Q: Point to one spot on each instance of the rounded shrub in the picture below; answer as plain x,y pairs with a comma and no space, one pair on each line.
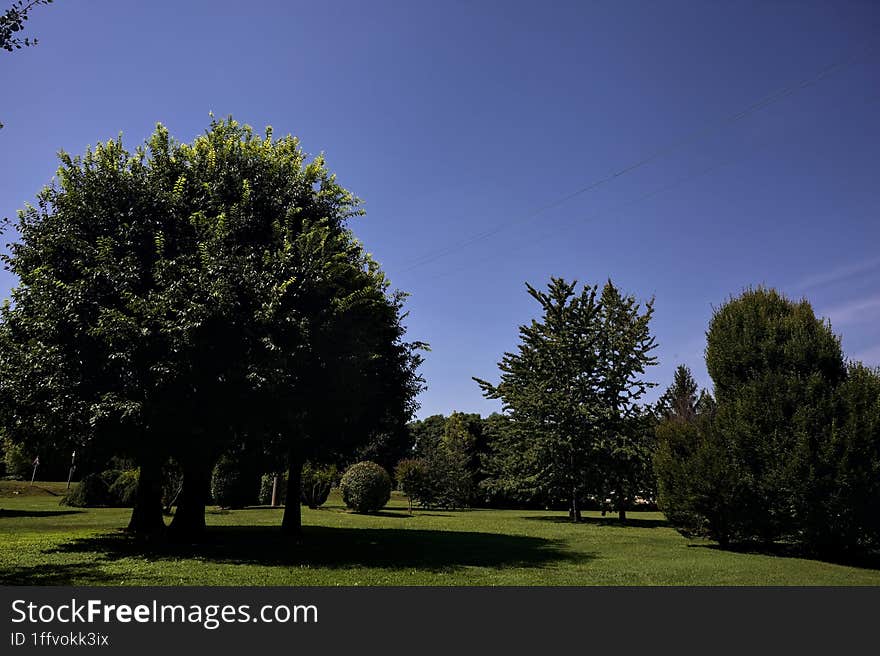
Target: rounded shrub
366,487
230,487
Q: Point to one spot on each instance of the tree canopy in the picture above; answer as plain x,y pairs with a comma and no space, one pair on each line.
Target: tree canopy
571,392
789,449
183,296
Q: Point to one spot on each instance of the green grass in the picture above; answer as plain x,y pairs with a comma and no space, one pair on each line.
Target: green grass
43,543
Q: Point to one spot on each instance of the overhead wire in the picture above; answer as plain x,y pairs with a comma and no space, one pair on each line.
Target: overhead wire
686,140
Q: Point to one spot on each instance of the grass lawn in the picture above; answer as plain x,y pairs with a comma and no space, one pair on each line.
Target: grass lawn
43,543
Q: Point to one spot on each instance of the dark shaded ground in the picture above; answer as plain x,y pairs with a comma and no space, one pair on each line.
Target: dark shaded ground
56,574
610,520
335,548
37,513
781,550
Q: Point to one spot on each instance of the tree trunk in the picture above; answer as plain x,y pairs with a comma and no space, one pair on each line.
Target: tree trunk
621,514
146,516
575,511
291,524
189,518
274,490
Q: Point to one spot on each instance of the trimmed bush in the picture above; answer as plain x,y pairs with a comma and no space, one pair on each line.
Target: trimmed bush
366,487
230,487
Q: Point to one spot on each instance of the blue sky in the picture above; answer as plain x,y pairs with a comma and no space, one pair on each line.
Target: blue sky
462,124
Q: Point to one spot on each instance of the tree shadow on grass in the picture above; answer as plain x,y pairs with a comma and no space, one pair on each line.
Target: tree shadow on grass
37,513
55,574
338,548
779,550
630,522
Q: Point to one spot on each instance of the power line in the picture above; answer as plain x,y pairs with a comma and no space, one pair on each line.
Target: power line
616,210
688,139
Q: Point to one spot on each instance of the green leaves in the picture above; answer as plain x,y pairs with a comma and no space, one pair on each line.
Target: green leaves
12,22
188,294
571,391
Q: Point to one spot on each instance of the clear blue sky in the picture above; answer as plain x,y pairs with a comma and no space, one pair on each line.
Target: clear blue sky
456,119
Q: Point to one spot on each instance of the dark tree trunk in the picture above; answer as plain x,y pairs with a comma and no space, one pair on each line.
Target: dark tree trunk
146,516
575,512
189,518
291,524
621,514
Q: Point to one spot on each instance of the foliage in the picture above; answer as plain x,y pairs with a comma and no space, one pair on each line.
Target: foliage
231,487
697,489
680,400
12,22
266,483
571,392
317,481
122,490
92,491
16,462
413,476
789,449
451,475
112,488
775,367
366,487
448,448
238,284
427,431
387,447
841,512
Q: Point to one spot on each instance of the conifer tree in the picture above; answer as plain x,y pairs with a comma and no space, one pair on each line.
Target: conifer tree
571,391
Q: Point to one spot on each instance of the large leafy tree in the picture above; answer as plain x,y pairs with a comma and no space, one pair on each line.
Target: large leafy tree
571,393
89,340
187,296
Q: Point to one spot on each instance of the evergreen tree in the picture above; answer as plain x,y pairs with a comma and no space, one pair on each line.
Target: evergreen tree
680,400
775,367
571,393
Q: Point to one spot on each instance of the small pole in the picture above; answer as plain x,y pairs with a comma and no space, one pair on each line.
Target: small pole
72,467
34,475
274,490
